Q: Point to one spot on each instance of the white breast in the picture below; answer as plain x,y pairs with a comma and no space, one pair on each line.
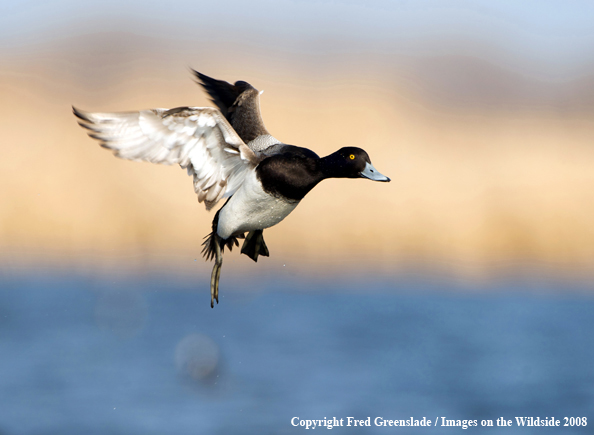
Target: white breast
251,208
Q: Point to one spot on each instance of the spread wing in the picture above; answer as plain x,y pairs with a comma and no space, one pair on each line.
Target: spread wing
198,139
240,103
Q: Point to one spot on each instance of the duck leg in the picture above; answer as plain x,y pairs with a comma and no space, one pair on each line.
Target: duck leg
216,271
254,245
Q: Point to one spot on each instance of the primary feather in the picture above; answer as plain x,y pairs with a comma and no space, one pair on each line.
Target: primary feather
199,139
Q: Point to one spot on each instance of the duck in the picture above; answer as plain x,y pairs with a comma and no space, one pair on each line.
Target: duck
230,154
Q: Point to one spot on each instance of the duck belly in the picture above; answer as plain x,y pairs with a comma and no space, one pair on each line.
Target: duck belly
251,208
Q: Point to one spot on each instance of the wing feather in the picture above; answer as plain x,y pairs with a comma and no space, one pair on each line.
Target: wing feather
199,139
240,104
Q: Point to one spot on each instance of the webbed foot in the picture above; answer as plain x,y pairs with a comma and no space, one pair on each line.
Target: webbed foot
254,245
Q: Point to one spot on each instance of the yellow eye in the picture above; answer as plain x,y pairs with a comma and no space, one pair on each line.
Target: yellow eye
352,157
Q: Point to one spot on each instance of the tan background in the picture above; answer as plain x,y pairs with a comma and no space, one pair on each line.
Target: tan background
491,160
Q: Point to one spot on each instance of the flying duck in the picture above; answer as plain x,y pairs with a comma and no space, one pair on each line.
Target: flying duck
229,153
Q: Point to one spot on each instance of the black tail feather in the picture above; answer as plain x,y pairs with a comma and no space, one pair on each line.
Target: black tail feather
209,245
209,249
255,245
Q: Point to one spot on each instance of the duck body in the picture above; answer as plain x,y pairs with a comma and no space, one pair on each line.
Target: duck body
252,208
271,192
229,153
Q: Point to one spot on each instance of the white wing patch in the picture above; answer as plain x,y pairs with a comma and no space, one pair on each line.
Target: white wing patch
198,139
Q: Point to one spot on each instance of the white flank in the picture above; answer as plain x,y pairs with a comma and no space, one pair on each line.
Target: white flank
251,208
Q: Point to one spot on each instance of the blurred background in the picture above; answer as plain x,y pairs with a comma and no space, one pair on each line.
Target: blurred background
462,288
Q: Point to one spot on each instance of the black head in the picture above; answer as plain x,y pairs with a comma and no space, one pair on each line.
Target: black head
351,162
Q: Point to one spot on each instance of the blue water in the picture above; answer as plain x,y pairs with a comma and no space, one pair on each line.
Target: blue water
97,356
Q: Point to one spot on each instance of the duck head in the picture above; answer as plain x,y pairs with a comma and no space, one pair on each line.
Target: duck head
350,162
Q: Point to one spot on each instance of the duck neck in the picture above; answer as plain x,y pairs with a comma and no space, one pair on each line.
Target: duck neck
332,166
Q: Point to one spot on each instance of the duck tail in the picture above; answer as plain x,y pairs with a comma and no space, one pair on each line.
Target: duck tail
209,246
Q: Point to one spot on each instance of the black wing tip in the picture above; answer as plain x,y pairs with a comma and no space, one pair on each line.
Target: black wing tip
211,84
96,137
204,80
88,127
197,75
80,114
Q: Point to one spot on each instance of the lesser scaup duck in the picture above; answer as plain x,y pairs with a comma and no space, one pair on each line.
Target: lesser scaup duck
230,154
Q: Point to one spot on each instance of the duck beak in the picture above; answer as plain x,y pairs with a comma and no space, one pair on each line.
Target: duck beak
372,173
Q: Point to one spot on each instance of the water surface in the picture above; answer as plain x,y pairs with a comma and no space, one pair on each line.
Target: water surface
82,355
